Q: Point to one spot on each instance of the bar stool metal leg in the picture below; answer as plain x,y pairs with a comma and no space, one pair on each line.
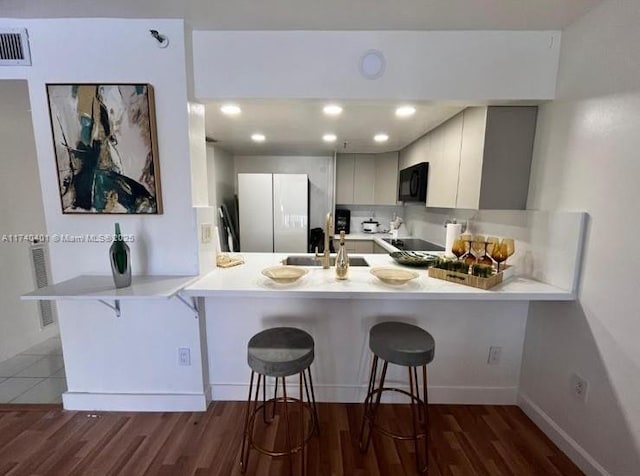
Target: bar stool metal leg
372,411
367,403
425,422
312,400
413,380
248,424
302,431
287,426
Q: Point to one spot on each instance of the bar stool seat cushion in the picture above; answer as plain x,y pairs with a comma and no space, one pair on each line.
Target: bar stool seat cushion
280,351
402,344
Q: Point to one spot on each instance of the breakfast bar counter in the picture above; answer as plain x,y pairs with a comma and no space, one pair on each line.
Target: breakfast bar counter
237,303
246,280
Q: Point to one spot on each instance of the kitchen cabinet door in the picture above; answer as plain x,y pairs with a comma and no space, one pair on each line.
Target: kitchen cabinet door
365,247
386,183
379,250
364,180
345,169
471,155
444,164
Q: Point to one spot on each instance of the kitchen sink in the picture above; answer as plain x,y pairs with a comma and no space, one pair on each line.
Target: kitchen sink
311,261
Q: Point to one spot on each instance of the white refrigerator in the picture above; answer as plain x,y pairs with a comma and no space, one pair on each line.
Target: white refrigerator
273,212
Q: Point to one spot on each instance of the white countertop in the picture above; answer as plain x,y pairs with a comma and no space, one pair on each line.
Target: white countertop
246,280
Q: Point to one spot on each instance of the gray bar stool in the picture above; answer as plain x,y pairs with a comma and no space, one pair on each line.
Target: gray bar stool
408,346
279,353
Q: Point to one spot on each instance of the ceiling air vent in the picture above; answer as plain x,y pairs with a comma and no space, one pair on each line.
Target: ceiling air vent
14,47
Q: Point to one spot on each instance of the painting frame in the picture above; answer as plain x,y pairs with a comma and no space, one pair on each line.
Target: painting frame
105,148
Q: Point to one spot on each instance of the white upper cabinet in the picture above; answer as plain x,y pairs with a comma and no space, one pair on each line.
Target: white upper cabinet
364,180
345,169
444,164
479,159
471,155
367,179
386,186
495,161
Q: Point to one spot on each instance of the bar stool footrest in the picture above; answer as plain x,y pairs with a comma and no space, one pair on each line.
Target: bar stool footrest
273,401
368,413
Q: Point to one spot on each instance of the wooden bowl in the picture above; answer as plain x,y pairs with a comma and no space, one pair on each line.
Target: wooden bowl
393,276
284,274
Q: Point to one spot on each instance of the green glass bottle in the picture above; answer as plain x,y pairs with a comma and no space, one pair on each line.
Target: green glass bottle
120,260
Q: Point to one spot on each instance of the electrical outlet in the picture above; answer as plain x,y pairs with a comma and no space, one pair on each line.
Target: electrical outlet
495,354
579,387
206,230
184,356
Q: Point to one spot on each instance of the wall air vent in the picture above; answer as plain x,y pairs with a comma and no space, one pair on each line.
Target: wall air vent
14,47
40,270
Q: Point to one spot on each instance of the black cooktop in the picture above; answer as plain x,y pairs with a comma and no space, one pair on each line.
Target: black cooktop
413,244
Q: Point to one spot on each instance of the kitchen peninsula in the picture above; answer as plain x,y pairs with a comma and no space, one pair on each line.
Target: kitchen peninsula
466,322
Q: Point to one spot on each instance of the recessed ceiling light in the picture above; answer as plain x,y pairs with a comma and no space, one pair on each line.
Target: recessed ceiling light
332,110
230,109
381,138
258,138
405,111
329,137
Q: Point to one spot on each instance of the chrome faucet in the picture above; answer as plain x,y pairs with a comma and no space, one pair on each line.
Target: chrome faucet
326,261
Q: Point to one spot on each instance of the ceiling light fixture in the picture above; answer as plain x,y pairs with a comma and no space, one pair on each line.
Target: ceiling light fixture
381,138
405,111
258,138
329,137
332,110
372,64
230,109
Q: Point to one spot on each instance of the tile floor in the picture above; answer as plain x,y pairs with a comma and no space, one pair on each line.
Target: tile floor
34,376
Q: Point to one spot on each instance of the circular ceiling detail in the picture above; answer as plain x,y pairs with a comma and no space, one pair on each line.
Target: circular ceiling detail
372,64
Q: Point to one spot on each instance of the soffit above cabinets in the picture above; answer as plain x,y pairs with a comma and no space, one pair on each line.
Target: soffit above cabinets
295,127
323,15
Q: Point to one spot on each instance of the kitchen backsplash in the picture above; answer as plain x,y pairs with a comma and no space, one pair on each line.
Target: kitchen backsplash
548,244
380,213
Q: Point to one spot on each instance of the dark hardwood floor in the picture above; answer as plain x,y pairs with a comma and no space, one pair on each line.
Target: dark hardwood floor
464,439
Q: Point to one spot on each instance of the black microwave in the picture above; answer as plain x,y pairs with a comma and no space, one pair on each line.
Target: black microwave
413,183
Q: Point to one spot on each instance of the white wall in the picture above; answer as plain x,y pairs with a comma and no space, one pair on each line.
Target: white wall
132,57
319,170
136,353
459,373
460,65
586,157
198,156
21,212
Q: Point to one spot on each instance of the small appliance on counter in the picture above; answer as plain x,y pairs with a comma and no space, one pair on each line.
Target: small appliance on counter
343,220
370,226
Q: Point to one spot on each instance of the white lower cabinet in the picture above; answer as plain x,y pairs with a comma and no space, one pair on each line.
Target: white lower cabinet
379,250
355,246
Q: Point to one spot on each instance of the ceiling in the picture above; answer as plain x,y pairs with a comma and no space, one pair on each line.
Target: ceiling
296,127
322,14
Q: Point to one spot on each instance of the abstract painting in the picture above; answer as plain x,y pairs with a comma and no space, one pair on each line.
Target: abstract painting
105,146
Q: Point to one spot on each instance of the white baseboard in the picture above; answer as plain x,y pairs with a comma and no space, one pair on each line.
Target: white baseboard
356,394
135,402
568,445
